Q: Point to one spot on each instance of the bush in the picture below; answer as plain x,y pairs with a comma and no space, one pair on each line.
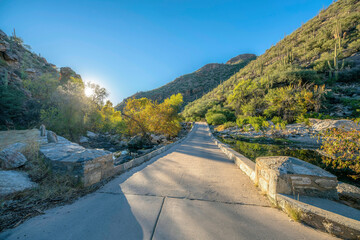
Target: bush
225,126
241,121
279,123
343,149
215,118
258,123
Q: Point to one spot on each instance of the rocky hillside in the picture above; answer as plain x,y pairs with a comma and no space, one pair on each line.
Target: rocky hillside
323,51
25,78
194,85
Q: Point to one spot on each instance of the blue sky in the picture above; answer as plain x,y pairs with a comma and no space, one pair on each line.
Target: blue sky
130,46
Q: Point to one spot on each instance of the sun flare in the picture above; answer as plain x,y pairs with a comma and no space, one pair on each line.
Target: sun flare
89,91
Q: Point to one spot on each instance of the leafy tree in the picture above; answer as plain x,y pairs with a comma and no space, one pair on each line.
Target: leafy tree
145,116
99,94
66,117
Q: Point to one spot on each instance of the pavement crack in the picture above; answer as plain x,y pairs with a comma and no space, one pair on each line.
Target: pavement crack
191,199
157,219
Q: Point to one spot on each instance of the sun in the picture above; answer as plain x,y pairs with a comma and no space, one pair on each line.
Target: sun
89,91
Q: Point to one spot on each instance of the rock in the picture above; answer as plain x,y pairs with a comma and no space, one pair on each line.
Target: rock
344,124
11,159
91,134
138,142
30,71
14,181
156,139
16,147
146,151
3,35
42,130
10,56
66,73
122,143
51,137
83,139
3,46
122,159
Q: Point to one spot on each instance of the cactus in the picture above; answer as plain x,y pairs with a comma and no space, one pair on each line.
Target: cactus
336,67
288,58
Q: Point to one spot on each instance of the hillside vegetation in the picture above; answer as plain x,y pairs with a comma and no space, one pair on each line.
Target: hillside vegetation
195,85
314,71
35,92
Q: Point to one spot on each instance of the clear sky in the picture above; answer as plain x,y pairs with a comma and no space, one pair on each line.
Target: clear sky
129,46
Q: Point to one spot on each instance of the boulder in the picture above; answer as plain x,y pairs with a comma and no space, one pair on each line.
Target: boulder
14,181
42,130
344,124
11,159
83,139
17,147
156,139
91,134
51,137
135,142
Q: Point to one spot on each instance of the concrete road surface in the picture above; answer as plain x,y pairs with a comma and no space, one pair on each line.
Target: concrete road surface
191,191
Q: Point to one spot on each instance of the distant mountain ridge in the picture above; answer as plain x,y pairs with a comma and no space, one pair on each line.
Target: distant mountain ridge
194,85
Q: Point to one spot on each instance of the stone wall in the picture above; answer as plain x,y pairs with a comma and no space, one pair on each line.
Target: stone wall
103,167
245,164
292,176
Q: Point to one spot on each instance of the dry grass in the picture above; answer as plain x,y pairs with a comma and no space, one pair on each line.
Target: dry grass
294,213
53,189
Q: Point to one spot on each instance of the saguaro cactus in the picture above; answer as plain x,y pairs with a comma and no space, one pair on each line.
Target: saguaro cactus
335,68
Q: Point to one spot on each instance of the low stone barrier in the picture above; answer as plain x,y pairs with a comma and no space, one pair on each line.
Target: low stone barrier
305,179
245,164
289,175
103,167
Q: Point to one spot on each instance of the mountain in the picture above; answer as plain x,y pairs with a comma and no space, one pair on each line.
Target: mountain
25,80
322,52
195,85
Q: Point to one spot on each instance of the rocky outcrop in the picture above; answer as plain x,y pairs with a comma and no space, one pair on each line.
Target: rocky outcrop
16,64
14,181
66,74
321,125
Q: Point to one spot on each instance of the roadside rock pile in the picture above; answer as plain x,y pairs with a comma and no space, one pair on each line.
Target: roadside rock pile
11,159
298,132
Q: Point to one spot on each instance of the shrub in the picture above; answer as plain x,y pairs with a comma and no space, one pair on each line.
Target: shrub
302,119
279,123
215,118
241,121
225,126
343,149
258,123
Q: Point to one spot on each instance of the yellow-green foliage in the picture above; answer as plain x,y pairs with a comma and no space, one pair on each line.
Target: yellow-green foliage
225,126
343,149
293,213
146,116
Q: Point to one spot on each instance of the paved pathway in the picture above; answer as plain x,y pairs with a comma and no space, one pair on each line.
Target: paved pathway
191,191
